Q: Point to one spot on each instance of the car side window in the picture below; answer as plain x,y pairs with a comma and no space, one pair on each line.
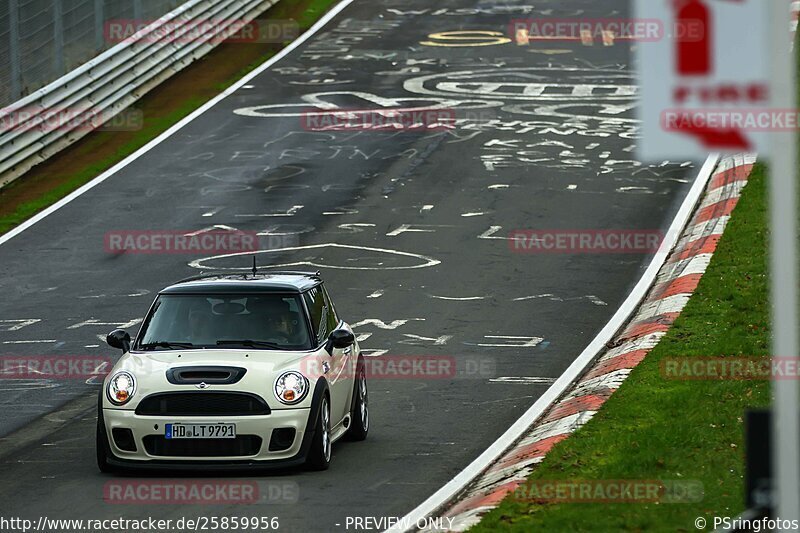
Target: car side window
333,318
315,300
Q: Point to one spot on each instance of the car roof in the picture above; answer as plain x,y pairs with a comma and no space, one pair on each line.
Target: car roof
266,282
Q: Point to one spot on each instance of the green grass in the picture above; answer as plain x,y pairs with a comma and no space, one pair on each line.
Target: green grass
312,13
305,12
653,428
284,10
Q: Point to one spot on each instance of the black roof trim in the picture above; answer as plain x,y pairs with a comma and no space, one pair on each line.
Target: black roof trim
249,275
270,281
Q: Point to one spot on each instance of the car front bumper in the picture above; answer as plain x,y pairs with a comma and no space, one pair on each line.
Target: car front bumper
146,429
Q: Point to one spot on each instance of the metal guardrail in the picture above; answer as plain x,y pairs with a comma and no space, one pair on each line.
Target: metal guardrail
41,40
100,89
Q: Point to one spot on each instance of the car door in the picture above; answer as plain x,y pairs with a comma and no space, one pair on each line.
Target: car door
322,316
344,359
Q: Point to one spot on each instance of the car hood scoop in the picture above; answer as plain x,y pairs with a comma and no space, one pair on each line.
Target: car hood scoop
210,375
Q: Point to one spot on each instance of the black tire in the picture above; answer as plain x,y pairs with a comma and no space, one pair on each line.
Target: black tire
102,446
359,406
319,456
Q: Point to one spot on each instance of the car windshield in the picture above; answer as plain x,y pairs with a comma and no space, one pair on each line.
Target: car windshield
262,321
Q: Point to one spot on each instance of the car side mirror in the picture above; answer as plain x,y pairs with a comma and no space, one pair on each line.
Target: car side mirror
120,339
340,338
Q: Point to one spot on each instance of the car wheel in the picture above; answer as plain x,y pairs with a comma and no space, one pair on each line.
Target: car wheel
319,457
101,442
359,412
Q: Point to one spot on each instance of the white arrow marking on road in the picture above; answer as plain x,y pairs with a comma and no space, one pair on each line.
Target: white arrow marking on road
30,342
404,228
288,213
96,322
373,353
283,230
591,297
19,323
456,299
489,234
215,227
525,380
514,342
437,341
355,227
341,211
394,324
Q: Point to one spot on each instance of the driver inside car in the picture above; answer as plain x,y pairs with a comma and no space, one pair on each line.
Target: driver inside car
199,323
274,321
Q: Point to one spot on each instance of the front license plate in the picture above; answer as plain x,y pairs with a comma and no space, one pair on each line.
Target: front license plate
200,431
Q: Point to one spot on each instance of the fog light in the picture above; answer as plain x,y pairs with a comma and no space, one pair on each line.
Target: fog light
282,439
123,438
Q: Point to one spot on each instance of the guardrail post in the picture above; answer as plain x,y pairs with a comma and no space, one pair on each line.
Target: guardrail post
13,46
783,276
58,37
99,21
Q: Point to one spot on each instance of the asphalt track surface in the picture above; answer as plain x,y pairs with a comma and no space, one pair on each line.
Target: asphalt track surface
543,141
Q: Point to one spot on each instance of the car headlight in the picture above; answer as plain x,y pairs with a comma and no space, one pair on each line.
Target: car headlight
291,387
121,388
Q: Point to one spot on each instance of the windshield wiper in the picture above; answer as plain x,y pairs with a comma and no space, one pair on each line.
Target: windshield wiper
251,343
166,344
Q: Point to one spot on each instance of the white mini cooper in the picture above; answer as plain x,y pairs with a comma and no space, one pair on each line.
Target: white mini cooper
234,371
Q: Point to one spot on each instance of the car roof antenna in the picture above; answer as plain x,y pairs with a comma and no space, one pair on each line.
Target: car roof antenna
255,268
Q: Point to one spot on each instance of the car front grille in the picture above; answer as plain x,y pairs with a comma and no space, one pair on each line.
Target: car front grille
241,446
208,403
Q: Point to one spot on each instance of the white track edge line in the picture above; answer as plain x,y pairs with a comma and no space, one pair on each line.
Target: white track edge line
172,130
454,487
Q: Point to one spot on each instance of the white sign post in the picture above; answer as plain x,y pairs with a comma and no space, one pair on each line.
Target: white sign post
704,77
784,271
721,78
